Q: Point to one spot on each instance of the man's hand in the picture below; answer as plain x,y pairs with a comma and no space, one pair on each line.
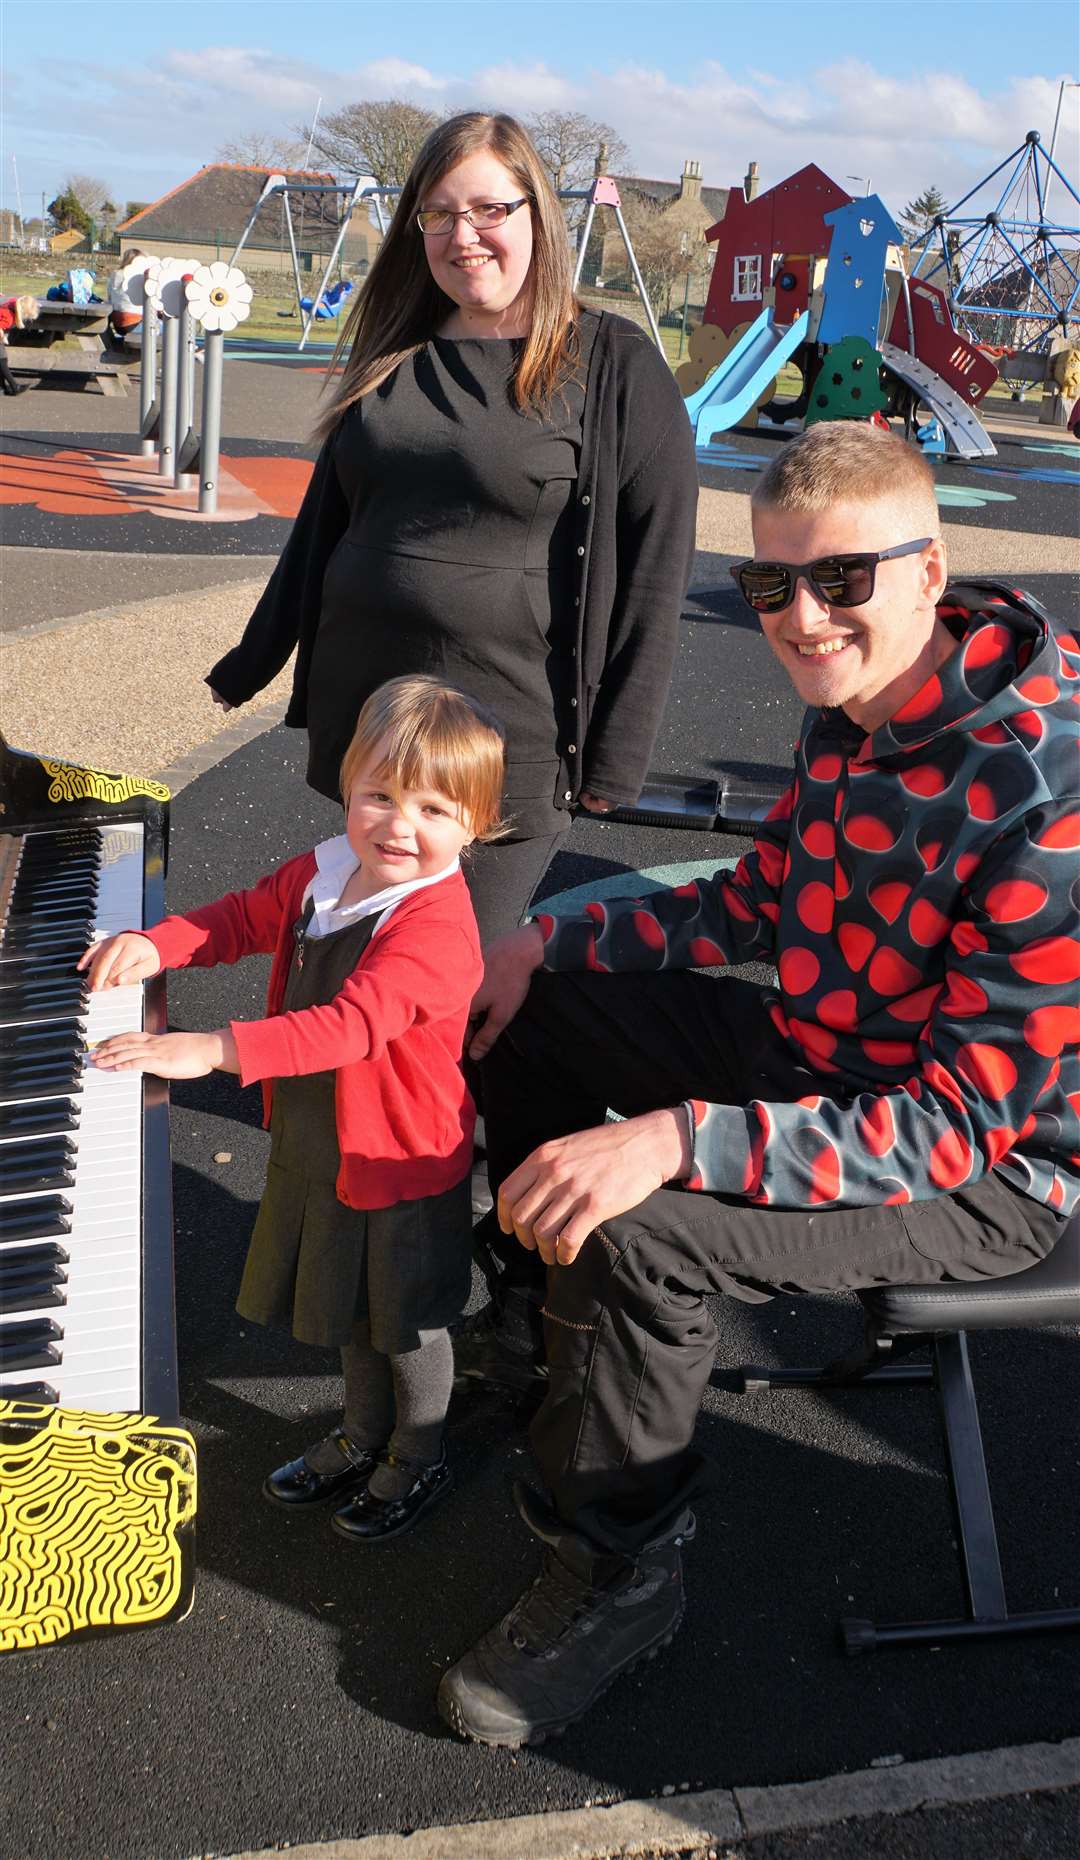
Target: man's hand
508,965
168,1055
554,1199
222,703
593,804
118,960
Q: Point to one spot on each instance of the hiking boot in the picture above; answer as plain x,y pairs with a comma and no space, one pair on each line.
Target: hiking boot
589,1616
502,1346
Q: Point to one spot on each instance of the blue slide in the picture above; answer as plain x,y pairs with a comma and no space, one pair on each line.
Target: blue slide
743,375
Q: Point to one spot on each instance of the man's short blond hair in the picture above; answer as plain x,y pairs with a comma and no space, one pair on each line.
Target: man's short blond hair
431,736
846,462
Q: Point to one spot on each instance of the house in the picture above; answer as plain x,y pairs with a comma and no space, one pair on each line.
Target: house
204,216
685,203
785,222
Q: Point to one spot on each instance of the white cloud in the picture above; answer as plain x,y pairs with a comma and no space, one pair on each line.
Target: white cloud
147,127
525,89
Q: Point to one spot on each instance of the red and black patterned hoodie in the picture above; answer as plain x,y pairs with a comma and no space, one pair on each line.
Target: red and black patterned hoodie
919,892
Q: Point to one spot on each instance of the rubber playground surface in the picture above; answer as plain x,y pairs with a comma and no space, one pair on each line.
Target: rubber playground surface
297,1702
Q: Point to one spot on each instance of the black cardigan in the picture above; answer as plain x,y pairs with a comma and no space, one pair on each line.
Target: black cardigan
635,519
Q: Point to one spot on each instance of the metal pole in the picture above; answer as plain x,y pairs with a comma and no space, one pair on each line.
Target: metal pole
213,359
638,279
148,407
685,311
185,397
169,363
583,242
1066,84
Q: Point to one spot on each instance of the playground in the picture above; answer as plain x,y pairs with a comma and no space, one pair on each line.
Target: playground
120,595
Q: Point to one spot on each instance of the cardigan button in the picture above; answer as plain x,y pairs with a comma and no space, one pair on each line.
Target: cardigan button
581,548
568,794
586,499
571,749
573,703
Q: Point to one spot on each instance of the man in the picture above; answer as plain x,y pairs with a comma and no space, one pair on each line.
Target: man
903,1105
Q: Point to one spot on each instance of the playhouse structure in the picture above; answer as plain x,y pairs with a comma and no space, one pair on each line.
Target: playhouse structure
808,275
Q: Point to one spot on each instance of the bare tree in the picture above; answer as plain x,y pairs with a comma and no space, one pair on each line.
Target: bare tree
569,143
380,138
667,252
258,148
93,195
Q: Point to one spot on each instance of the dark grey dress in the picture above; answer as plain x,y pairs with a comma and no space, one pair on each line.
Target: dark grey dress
457,560
314,1265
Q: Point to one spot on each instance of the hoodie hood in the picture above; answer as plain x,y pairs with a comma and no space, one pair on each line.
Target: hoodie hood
1006,664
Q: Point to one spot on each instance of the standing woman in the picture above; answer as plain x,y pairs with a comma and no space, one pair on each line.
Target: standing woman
505,499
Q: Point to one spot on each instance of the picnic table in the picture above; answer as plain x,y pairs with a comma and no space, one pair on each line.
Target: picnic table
36,350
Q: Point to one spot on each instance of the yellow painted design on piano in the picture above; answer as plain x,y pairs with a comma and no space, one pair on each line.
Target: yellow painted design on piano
69,783
97,1519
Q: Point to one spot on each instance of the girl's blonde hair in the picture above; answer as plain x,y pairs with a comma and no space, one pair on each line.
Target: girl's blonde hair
432,737
26,309
401,307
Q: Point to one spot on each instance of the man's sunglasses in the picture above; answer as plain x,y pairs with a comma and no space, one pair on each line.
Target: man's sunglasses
436,222
842,580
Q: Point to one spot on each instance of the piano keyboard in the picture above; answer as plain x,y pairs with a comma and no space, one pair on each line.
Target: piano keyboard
70,1137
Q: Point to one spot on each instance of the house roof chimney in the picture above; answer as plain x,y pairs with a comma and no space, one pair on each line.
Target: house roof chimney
690,184
750,182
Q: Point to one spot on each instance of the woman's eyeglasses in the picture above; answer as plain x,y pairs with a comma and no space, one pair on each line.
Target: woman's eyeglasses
842,580
436,222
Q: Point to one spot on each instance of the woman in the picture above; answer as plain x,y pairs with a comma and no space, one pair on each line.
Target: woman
125,316
505,499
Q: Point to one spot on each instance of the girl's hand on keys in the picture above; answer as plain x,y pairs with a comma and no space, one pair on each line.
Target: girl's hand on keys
118,960
167,1055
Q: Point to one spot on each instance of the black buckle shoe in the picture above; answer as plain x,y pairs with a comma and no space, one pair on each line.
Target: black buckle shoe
589,1616
299,1484
371,1520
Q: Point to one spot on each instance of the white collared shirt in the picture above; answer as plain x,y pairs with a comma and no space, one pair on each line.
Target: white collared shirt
335,863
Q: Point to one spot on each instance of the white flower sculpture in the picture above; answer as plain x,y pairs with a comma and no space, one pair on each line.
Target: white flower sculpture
134,279
219,296
170,284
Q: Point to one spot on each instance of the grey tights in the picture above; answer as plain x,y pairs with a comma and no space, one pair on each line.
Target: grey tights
400,1401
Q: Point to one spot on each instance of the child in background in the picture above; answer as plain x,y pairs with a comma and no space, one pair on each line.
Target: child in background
362,1236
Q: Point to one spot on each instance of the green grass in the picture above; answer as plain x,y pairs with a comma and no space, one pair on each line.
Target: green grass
274,317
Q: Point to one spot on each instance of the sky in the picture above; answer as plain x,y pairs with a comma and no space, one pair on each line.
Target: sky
900,93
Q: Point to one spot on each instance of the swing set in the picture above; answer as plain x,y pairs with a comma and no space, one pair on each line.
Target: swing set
365,192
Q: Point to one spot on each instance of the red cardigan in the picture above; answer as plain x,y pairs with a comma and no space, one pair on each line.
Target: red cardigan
394,1035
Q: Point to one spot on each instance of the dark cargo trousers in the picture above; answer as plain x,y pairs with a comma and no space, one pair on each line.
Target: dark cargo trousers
630,1340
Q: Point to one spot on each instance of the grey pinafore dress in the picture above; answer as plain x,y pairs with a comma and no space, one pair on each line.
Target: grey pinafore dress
315,1265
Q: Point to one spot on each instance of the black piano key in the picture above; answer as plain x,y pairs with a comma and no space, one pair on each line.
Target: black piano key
32,1259
54,1012
45,971
45,1294
39,1074
34,1042
22,1120
32,1094
58,1171
30,1344
39,1217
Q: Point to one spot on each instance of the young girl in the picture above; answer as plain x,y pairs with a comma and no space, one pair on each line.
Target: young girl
362,1237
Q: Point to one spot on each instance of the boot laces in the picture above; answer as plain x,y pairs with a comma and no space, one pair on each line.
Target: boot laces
548,1610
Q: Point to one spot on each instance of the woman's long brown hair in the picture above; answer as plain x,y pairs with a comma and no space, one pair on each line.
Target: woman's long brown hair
401,307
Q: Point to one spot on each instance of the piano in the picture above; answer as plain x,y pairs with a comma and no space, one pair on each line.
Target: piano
97,1477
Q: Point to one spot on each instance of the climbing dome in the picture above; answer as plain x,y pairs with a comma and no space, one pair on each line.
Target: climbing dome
1007,258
